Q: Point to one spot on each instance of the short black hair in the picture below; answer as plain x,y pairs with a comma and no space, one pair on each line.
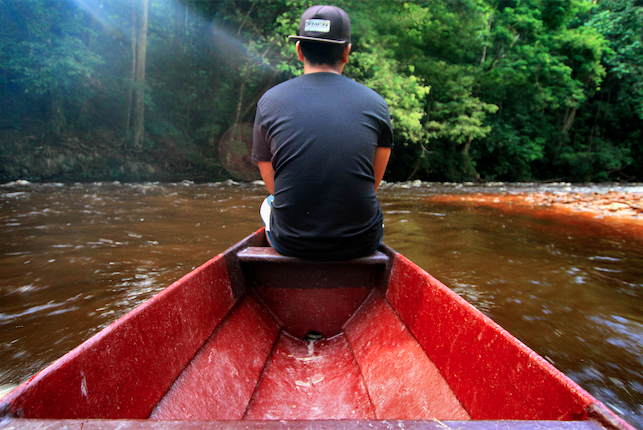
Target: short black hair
322,53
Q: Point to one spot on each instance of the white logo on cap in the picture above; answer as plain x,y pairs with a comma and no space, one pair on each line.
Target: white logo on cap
318,25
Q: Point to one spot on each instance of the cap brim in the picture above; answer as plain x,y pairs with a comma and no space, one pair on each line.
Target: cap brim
317,39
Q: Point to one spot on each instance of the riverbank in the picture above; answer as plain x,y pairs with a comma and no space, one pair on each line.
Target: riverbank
622,201
613,212
612,205
102,156
614,202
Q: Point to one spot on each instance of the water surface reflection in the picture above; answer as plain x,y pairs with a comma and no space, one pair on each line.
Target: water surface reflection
76,257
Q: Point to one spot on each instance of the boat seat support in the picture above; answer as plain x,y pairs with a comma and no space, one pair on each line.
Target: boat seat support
309,296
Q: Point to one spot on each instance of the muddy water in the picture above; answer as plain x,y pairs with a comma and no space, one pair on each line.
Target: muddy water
73,258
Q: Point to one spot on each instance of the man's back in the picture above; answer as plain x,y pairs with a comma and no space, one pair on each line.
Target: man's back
320,131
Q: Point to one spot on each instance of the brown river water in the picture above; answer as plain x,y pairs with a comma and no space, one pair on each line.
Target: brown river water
75,257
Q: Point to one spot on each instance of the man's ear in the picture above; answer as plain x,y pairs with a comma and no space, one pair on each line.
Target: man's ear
299,53
347,51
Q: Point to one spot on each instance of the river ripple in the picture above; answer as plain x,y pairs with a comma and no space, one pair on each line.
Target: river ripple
75,257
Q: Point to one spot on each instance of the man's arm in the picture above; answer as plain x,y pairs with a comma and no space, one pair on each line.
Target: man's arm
380,162
268,175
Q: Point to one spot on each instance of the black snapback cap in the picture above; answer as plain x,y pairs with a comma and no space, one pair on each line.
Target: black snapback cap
324,23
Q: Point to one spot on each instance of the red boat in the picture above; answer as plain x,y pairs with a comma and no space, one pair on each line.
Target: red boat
253,339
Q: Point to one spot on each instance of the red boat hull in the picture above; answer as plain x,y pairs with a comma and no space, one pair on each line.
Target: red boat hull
226,343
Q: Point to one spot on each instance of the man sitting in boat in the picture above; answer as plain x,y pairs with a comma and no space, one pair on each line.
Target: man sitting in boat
322,142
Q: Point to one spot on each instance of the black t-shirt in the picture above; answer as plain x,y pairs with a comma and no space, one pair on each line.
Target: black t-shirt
320,132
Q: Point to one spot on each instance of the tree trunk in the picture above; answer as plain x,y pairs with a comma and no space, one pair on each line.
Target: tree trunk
57,115
83,115
569,120
468,169
139,81
242,88
484,48
130,90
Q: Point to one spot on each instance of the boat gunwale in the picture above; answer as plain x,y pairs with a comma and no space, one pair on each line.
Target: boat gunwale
323,424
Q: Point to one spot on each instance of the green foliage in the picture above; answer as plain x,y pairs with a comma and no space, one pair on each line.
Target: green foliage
477,89
47,54
543,67
373,61
621,23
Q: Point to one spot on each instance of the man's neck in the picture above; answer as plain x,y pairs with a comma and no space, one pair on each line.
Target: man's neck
317,68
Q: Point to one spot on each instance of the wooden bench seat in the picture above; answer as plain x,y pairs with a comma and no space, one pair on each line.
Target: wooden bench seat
268,254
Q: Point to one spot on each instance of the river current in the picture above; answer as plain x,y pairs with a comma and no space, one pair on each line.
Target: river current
75,257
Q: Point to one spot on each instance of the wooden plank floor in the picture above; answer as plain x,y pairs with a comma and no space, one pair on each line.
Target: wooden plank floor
307,380
375,369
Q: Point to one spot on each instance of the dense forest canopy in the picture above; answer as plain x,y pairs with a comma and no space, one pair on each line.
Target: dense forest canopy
507,90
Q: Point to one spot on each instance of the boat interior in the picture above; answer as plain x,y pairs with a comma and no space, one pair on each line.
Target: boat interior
318,343
254,335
